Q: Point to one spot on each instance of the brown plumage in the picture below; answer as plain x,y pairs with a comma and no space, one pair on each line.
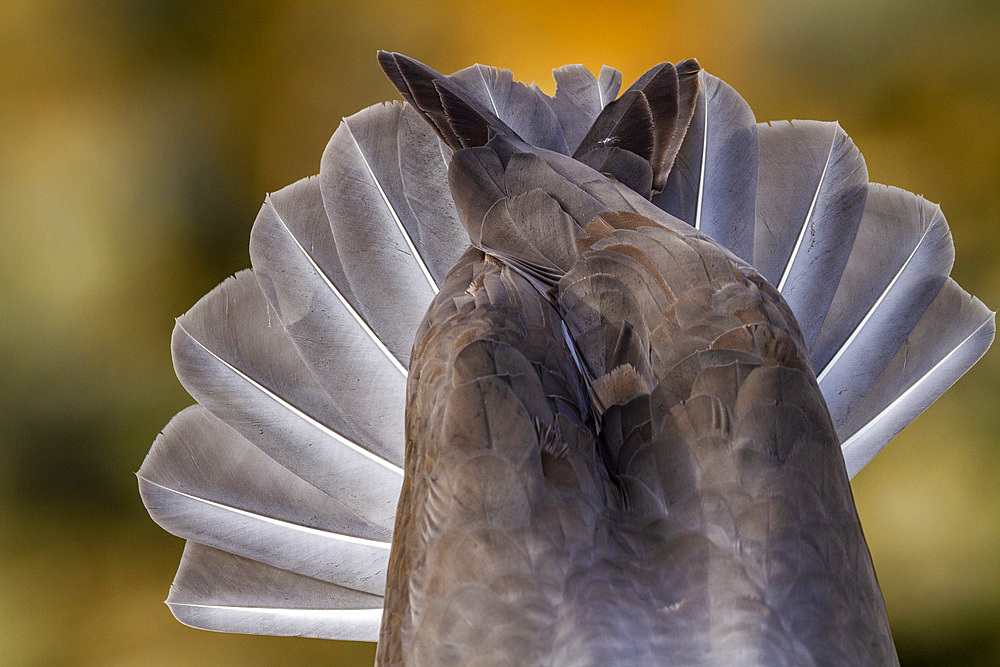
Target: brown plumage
694,505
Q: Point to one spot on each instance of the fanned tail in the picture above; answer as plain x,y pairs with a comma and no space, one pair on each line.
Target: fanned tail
860,265
284,480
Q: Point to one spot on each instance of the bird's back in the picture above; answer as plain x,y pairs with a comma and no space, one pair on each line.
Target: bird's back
632,406
689,500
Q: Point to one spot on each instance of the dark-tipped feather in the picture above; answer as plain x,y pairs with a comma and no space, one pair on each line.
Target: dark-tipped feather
580,98
660,86
626,123
713,183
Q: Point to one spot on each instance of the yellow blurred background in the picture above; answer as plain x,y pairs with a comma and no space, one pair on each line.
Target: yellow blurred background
137,141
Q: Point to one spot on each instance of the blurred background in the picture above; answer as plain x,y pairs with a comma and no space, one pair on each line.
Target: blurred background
137,141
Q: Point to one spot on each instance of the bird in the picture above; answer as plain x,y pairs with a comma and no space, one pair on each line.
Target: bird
577,379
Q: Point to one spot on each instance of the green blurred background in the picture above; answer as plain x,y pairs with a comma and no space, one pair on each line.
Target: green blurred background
137,140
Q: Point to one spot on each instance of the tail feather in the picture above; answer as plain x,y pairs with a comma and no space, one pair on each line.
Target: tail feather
519,107
297,266
459,118
636,138
713,183
901,258
423,166
219,591
415,82
627,123
580,97
811,196
672,93
688,85
202,481
386,263
232,354
953,334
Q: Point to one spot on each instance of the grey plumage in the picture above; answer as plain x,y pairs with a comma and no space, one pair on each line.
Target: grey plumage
373,226
886,288
297,266
521,108
631,408
580,97
220,591
423,166
954,333
713,183
810,198
232,354
234,497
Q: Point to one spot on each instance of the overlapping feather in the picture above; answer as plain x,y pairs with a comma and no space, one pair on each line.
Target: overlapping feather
204,482
285,481
216,590
902,256
713,183
811,195
521,108
297,265
953,334
232,354
580,97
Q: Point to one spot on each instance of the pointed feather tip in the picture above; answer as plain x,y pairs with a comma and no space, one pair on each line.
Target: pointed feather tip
688,66
389,63
386,60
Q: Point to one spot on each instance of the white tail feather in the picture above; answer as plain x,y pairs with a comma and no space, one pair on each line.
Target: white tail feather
223,592
233,355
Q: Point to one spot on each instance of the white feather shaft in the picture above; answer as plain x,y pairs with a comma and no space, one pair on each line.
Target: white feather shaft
392,211
805,222
319,426
340,297
871,311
